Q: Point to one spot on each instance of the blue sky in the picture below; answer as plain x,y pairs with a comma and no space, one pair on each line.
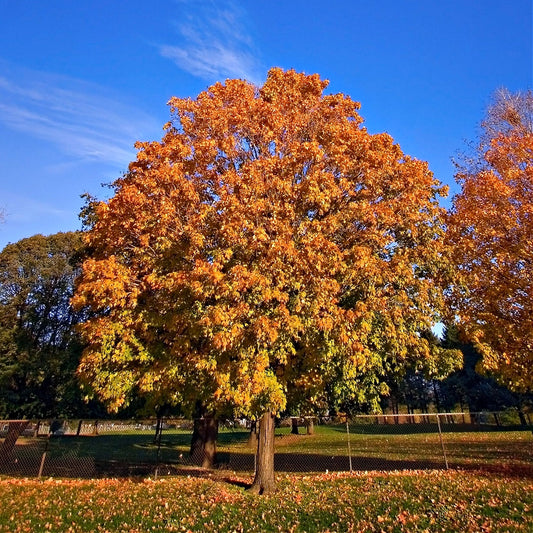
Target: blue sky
80,82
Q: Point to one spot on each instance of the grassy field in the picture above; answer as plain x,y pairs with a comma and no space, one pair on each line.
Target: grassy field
398,483
371,448
395,501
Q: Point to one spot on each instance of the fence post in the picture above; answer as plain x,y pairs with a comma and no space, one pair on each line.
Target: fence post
442,442
159,426
43,458
349,444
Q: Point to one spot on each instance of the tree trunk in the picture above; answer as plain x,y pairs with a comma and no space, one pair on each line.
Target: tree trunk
521,416
14,431
294,425
436,395
204,441
252,439
410,412
158,429
264,480
310,425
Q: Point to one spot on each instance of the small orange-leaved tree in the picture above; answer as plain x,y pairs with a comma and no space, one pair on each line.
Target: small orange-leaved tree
267,241
491,235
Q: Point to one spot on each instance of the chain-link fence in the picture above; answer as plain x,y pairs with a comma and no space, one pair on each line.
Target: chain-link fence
80,448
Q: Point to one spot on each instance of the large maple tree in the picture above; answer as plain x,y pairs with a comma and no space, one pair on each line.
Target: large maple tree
491,234
268,242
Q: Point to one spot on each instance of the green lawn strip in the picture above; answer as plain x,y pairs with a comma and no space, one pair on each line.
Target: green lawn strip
397,501
368,451
462,449
138,446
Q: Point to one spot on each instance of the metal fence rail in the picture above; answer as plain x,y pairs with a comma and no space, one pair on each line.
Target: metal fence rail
98,448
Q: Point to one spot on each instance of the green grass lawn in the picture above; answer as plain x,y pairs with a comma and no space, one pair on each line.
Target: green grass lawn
382,448
396,501
490,487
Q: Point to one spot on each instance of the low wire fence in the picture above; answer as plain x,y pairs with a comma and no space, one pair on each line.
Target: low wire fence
500,441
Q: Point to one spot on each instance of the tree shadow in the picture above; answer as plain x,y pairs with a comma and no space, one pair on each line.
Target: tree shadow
27,461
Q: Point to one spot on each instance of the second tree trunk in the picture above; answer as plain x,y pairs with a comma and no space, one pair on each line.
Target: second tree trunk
264,481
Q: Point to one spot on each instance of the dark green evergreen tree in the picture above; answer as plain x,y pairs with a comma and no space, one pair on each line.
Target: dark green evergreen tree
39,346
471,390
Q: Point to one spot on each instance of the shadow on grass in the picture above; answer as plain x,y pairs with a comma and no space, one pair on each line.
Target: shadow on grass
290,463
136,455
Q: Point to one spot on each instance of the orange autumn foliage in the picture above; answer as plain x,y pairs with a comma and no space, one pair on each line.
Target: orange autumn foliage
491,234
267,241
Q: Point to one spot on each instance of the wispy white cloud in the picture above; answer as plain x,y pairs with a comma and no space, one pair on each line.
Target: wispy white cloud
25,216
215,43
81,119
22,209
